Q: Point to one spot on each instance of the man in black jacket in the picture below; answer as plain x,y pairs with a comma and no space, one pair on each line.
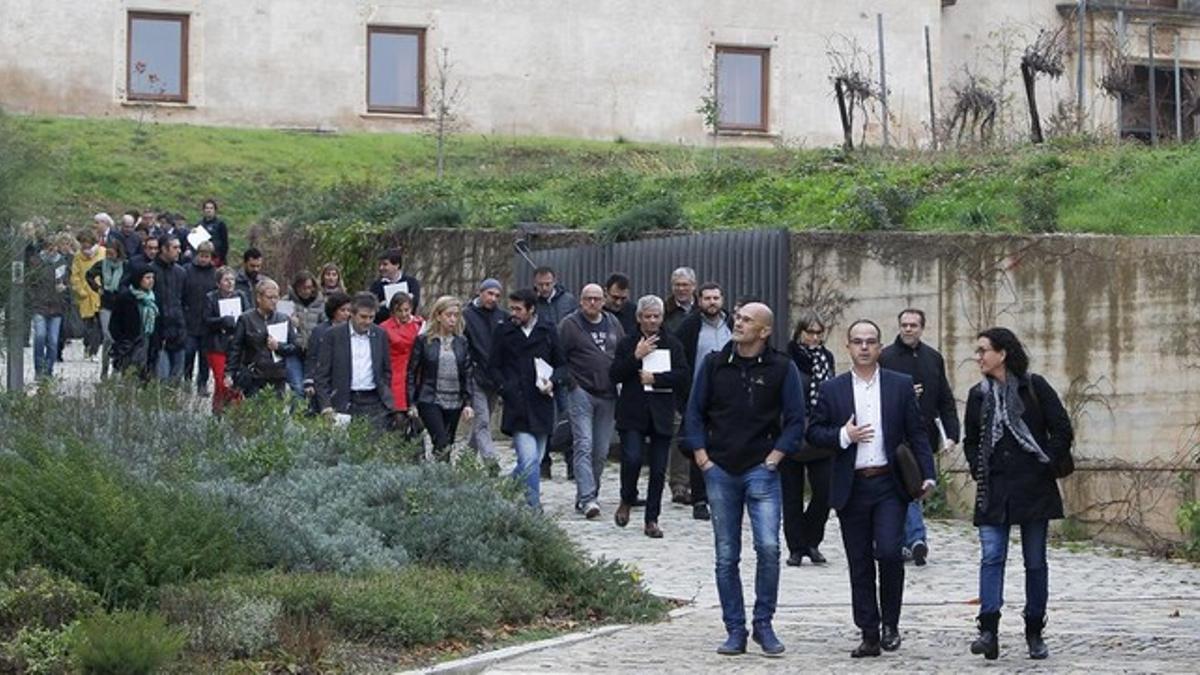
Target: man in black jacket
354,372
703,332
909,355
482,315
616,302
217,230
744,415
170,329
251,272
392,279
256,356
200,277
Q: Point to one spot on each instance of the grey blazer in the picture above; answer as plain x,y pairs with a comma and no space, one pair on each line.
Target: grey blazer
333,368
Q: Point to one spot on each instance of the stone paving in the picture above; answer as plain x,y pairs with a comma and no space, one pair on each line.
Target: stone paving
1110,609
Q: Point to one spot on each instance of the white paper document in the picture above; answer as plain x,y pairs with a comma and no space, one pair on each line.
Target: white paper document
285,307
198,236
544,370
341,420
229,307
657,361
391,289
279,331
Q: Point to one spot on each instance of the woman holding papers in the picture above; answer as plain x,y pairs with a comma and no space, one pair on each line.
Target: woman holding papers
651,371
223,306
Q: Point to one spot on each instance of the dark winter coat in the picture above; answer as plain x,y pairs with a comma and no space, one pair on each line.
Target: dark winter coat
480,327
689,332
170,329
512,370
555,308
927,368
249,358
198,282
220,237
649,411
1020,488
220,328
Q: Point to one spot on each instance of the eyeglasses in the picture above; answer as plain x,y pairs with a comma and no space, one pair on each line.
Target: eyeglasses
860,342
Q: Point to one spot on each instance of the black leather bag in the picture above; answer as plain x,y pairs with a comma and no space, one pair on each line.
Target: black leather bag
910,470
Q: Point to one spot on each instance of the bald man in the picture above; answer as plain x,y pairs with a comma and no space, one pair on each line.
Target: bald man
746,412
589,338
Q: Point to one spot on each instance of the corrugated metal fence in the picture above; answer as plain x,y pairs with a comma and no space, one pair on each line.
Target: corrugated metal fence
749,263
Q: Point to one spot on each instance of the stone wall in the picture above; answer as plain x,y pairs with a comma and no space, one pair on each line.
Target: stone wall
1112,322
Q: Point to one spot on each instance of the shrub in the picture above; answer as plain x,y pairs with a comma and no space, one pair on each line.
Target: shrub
1188,518
1038,205
412,606
660,214
125,643
438,215
38,651
223,622
883,207
37,598
75,512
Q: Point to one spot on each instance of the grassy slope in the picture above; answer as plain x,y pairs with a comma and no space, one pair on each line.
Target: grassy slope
110,164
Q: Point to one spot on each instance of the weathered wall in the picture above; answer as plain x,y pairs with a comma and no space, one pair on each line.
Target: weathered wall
1112,322
537,67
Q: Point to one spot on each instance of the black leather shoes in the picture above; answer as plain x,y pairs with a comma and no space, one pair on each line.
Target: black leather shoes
868,647
795,560
891,639
700,511
816,556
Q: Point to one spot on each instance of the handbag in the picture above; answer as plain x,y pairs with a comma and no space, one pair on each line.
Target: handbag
910,470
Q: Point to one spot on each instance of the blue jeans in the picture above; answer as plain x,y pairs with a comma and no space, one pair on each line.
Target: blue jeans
914,525
993,540
529,449
592,423
45,343
294,365
757,492
170,364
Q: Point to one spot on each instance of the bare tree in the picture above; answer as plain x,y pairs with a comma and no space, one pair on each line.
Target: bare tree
849,71
447,94
710,106
975,109
1044,56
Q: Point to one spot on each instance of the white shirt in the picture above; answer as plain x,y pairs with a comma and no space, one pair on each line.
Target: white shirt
362,375
867,410
527,329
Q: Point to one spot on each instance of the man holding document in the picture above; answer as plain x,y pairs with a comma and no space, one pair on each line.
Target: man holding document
393,280
653,373
525,355
261,341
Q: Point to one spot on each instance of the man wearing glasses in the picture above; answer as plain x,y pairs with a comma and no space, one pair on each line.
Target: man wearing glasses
866,413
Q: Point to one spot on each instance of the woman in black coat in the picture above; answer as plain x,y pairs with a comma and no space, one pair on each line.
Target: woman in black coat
646,419
438,396
804,529
135,313
1016,428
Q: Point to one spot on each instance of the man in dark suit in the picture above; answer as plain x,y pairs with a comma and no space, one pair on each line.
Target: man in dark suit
867,413
354,373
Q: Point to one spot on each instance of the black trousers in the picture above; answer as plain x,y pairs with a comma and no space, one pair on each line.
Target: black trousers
805,528
696,483
441,425
872,525
368,404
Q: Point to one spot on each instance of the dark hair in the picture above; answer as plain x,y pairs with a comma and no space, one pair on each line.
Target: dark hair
164,239
115,244
543,271
251,254
525,296
856,322
394,256
1004,340
365,301
86,236
911,310
808,317
301,277
399,298
335,301
617,279
709,286
208,201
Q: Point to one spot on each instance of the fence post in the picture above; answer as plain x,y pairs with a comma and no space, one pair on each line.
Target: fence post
1079,72
933,131
1178,95
16,324
1153,71
1122,45
883,94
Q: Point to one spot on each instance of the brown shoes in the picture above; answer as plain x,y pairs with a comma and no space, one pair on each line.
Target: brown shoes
653,531
621,517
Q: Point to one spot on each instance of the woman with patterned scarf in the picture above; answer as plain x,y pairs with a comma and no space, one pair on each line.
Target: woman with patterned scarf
1015,428
804,529
134,315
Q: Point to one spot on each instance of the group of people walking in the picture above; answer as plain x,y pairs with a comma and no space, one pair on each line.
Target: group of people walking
752,427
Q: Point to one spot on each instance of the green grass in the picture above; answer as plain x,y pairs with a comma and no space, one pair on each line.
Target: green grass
1084,186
